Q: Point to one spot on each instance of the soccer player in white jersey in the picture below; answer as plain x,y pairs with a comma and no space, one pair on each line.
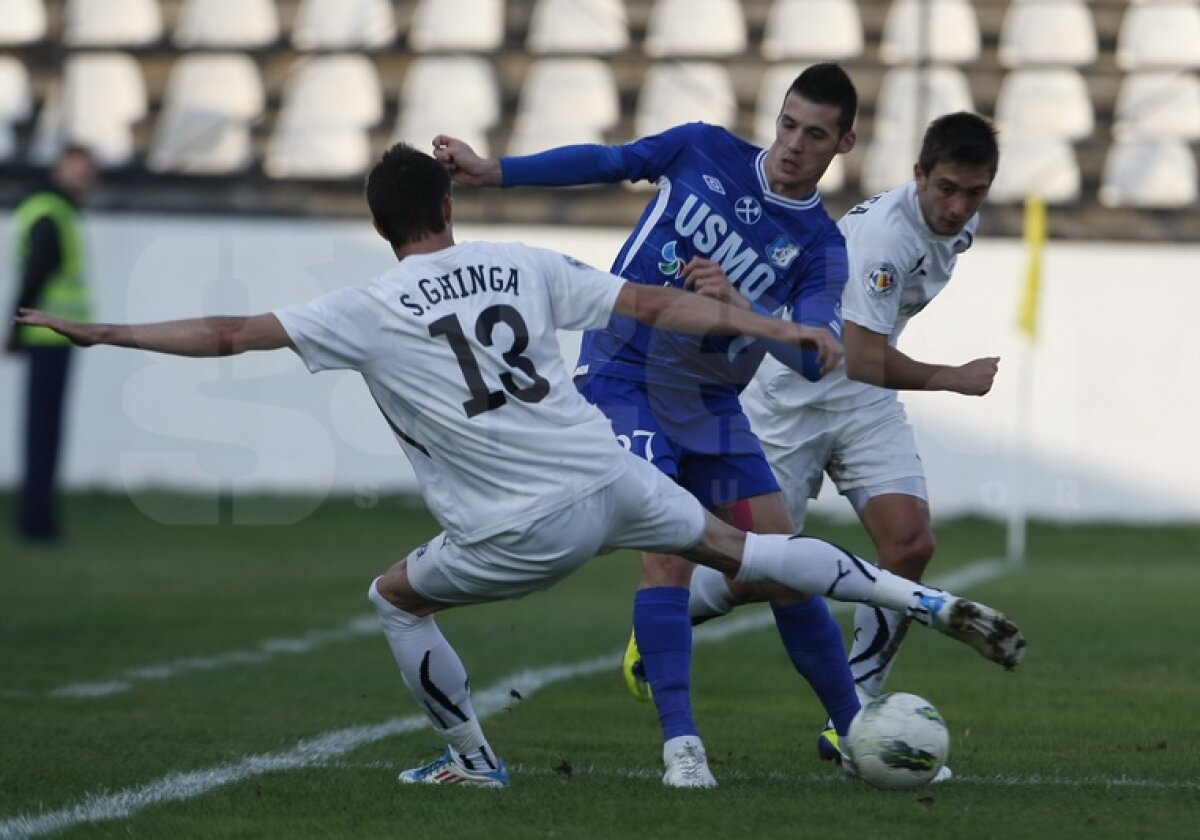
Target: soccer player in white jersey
902,245
457,346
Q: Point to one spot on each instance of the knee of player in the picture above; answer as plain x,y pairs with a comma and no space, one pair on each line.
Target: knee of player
909,555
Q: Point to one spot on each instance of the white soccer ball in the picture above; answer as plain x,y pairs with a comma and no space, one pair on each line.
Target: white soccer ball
898,741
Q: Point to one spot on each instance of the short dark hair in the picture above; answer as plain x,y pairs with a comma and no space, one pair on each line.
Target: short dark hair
405,192
828,84
963,138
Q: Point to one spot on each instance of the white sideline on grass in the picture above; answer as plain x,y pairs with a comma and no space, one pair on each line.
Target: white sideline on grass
323,748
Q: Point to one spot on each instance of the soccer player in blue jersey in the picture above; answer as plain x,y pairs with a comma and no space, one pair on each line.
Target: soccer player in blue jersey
745,225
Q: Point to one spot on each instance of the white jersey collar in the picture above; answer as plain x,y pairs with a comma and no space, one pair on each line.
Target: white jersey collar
807,203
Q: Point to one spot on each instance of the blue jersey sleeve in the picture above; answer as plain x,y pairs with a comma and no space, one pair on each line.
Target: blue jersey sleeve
586,163
649,157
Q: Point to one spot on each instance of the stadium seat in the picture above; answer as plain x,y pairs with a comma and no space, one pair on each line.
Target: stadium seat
16,102
343,25
695,28
1158,103
1149,173
1044,166
684,91
112,23
888,162
1048,32
945,31
771,91
101,96
1160,34
209,104
456,95
578,26
329,103
821,30
23,22
909,99
468,25
564,100
226,24
1049,102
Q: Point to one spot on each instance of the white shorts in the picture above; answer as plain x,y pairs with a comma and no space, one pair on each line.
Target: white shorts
641,509
867,451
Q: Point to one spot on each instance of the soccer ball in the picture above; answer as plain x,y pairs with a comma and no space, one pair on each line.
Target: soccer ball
898,741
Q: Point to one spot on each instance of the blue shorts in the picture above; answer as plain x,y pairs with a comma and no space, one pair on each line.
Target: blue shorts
702,441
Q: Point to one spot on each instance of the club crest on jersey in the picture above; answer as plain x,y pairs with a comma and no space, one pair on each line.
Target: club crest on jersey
671,263
748,210
782,251
714,185
881,280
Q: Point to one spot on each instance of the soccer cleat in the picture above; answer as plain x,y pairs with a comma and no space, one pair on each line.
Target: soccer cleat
987,630
635,672
829,746
687,767
445,770
945,774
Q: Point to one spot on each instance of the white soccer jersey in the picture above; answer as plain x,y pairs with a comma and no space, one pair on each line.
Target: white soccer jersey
897,266
458,348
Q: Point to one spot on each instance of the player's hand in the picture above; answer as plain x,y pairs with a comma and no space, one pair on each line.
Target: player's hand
466,168
707,278
829,349
83,335
975,378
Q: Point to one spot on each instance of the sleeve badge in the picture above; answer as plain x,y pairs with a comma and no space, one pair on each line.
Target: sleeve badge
881,280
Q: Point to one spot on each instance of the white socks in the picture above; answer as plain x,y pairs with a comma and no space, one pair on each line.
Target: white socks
709,595
808,564
877,636
436,678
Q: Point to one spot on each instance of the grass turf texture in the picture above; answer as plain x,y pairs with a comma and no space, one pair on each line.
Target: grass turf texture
1095,735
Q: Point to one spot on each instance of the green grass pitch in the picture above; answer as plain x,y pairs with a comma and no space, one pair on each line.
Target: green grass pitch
227,681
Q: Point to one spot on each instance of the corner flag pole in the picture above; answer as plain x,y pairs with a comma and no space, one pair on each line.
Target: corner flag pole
1027,322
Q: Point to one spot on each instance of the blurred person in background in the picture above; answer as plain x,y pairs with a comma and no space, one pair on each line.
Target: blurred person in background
50,270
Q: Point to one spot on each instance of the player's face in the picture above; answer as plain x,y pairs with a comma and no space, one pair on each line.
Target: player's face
950,194
806,139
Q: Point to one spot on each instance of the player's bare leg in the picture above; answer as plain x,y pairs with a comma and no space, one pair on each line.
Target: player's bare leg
435,676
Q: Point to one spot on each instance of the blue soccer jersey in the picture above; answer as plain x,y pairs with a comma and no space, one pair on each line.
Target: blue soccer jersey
714,201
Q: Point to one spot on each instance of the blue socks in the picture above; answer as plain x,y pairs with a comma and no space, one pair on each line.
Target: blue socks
814,643
664,637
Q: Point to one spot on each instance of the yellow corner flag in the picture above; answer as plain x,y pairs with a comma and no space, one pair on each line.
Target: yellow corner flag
1035,238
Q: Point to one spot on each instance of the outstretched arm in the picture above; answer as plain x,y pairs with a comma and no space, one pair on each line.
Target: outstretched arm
586,163
671,309
217,336
870,359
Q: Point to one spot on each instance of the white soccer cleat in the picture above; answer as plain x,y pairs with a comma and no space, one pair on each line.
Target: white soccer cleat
987,630
687,766
445,770
945,774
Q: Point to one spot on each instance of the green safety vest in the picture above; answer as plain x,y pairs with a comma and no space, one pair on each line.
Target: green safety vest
64,294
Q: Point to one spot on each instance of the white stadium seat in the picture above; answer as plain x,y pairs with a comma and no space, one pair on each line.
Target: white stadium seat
563,101
329,103
887,163
695,28
16,102
1044,166
226,24
1159,35
101,96
1049,102
23,22
111,23
684,91
909,98
945,31
467,25
578,26
343,25
456,95
209,104
1158,103
1048,32
1149,173
820,30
